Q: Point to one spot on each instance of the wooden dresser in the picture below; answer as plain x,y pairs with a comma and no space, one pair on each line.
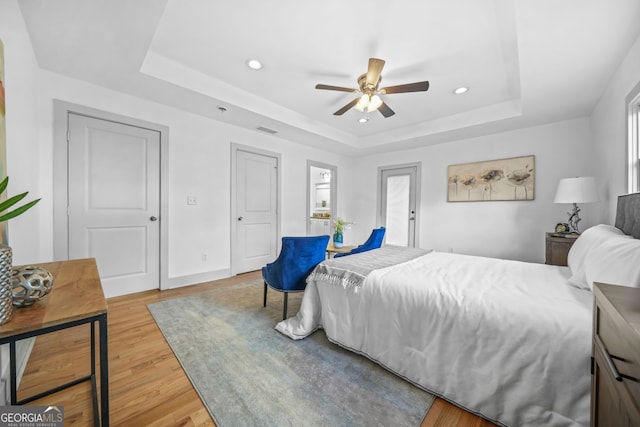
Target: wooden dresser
615,394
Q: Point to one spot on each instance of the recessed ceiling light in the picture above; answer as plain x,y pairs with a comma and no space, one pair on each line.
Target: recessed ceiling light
363,119
254,64
460,90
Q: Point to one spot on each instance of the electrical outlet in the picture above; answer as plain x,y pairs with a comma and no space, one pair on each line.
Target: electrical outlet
192,200
204,256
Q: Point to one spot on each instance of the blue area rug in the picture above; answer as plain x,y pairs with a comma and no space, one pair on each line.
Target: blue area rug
248,374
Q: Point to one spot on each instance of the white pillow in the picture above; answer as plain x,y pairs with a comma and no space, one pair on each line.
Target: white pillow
591,238
616,261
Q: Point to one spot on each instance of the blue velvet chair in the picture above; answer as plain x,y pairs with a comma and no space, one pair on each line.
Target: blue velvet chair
298,257
373,242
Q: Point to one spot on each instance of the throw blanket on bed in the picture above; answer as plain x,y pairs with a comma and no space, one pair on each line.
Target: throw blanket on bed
350,272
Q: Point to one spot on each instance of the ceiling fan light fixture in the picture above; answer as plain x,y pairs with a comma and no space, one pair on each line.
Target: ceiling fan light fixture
460,90
374,103
362,103
254,64
369,93
368,103
363,119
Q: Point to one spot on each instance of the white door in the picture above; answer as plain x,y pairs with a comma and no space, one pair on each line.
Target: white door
114,202
256,211
398,205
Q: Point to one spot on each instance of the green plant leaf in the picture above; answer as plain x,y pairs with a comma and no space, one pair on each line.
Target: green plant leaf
14,213
12,201
3,184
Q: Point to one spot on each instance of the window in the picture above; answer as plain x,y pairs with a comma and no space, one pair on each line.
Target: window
633,147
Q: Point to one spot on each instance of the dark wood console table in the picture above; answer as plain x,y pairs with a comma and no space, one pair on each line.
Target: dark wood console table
76,299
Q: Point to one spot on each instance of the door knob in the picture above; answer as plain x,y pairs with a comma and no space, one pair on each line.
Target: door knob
153,218
239,218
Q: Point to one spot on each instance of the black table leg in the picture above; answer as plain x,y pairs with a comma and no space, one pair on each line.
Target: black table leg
104,371
94,388
13,381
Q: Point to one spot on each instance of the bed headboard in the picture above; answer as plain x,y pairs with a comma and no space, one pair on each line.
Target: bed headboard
628,214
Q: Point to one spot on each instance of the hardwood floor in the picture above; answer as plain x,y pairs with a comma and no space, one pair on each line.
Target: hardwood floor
147,386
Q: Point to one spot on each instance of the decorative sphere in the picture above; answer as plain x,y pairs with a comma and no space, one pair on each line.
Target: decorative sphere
30,284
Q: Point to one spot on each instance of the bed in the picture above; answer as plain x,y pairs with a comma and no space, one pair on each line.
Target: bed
507,340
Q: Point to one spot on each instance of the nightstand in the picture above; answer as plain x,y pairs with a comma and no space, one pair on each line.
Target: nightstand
332,250
558,246
615,395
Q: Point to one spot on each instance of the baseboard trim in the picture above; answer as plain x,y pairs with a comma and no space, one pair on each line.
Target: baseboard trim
193,279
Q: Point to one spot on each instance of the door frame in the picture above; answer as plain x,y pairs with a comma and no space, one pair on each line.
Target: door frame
334,189
379,213
235,147
61,110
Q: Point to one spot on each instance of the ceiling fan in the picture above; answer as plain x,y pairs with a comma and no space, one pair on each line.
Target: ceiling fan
368,87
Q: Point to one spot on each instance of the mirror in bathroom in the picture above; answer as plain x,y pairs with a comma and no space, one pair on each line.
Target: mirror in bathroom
321,197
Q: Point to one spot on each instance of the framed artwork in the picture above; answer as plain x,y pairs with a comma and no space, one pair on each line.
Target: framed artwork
503,179
3,138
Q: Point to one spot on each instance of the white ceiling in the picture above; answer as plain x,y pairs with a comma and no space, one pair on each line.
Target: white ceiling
526,62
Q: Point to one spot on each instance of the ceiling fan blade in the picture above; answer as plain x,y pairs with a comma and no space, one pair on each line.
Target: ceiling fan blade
329,87
346,107
411,87
374,71
385,110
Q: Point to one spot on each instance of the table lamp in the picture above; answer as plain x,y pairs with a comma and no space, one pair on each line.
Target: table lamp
576,190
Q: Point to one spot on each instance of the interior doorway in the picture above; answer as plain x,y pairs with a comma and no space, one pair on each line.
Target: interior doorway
120,220
322,184
398,195
114,217
255,205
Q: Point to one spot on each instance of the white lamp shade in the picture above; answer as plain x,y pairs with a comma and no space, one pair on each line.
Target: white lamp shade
577,190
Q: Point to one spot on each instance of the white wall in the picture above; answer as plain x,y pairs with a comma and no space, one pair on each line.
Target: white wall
609,131
512,230
200,165
25,158
199,162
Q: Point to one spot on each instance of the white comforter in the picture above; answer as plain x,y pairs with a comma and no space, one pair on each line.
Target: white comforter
506,339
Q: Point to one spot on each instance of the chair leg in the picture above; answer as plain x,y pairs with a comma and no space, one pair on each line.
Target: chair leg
264,303
284,311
